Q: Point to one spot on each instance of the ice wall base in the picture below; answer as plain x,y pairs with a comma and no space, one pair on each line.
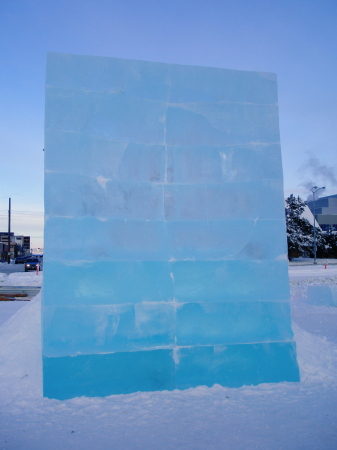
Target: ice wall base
156,370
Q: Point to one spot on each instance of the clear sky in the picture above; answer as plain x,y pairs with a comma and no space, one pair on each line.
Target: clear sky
296,39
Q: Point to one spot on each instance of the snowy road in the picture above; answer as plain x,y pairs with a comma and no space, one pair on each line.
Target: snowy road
11,268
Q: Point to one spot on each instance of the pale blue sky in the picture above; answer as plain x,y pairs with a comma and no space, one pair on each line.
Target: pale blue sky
296,39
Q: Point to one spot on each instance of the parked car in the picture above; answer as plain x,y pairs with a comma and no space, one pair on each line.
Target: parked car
32,264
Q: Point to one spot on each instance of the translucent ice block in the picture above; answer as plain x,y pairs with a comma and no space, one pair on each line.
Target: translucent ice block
232,323
223,164
92,238
230,280
102,374
165,250
192,84
78,195
221,124
231,239
107,282
104,159
108,328
223,201
133,78
236,365
106,115
113,373
325,295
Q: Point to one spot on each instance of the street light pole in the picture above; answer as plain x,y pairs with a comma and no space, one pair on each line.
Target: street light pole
314,190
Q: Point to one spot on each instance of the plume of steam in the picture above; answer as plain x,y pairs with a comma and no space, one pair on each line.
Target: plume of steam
313,169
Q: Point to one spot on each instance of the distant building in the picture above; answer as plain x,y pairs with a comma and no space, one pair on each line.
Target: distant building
3,251
307,214
4,244
325,212
26,243
19,245
4,237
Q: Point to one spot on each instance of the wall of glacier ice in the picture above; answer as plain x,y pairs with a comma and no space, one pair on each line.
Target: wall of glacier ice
165,250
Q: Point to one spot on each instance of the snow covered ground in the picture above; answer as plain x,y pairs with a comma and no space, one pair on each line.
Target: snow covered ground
21,279
269,416
7,309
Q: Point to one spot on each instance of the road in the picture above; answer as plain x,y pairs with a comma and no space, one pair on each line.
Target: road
11,268
9,308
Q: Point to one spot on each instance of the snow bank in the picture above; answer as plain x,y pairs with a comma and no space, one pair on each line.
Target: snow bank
20,358
312,272
21,279
3,277
278,416
316,357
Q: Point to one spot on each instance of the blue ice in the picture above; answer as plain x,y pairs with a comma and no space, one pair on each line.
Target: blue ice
325,295
165,246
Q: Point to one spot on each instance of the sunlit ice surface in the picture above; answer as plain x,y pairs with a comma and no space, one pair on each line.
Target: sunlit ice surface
165,248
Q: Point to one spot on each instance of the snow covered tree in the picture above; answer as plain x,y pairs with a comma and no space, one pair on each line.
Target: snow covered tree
300,233
331,244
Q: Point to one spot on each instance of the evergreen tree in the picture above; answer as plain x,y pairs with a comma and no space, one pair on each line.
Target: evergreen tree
300,233
331,243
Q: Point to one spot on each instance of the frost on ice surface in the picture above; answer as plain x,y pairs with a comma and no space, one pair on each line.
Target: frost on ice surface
165,238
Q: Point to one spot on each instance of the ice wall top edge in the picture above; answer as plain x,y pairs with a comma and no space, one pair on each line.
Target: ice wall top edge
174,83
270,75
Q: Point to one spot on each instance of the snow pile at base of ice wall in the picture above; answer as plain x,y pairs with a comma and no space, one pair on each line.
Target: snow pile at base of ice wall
165,248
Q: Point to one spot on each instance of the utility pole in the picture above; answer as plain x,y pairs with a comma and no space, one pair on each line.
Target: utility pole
9,232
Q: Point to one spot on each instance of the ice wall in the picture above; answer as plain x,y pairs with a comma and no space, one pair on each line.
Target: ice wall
165,251
322,295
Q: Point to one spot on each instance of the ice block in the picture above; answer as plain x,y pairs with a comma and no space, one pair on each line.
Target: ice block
165,261
322,295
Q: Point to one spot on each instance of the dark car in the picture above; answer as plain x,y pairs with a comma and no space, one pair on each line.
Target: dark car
32,264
